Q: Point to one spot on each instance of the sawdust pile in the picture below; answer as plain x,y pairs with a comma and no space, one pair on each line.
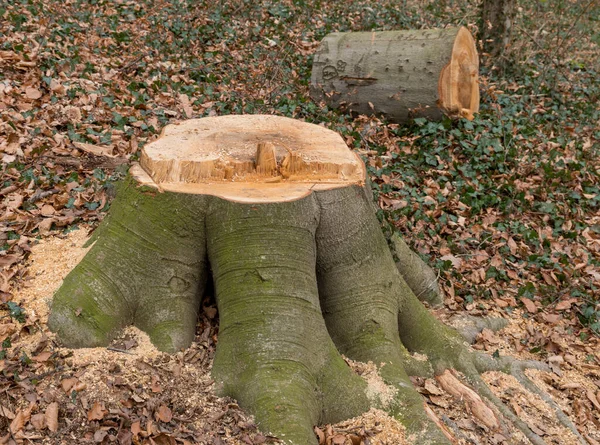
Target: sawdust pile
377,391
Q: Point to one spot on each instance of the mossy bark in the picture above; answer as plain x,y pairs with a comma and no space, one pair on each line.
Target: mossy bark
147,266
296,283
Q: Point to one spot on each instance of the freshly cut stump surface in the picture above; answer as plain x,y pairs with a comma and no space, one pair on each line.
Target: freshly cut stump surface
251,158
276,213
399,74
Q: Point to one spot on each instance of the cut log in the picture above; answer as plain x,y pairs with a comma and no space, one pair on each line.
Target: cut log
399,74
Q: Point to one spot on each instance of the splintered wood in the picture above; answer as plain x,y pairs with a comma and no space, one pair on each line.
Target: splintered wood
459,86
248,158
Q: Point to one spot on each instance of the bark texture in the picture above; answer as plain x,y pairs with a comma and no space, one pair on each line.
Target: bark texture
297,284
399,74
497,17
147,267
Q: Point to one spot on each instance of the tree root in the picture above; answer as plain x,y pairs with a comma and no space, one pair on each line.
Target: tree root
296,284
401,325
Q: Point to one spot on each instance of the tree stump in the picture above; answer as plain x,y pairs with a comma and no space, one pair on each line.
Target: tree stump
399,74
276,212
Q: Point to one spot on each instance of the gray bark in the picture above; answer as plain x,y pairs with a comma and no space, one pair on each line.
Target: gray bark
393,73
497,17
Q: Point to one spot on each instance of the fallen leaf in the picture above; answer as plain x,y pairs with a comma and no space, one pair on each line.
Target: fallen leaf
97,412
258,439
529,305
432,388
554,362
67,384
338,439
320,435
21,418
5,412
95,150
42,356
125,437
592,397
164,439
456,262
45,225
32,93
564,305
47,210
164,414
136,428
51,417
512,245
38,421
99,435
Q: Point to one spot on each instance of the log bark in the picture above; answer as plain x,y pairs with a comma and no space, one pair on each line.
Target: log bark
278,211
399,74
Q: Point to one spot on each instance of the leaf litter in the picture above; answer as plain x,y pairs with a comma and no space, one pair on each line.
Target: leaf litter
513,232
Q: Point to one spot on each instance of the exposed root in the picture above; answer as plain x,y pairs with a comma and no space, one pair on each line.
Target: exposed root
470,327
519,374
475,405
439,423
421,278
296,285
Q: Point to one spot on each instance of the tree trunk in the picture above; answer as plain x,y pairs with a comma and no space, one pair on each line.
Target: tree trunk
399,74
497,17
277,210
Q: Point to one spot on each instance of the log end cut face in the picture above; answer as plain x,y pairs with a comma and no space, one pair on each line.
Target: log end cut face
248,158
459,84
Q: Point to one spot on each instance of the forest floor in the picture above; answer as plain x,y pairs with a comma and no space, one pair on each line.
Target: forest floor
505,207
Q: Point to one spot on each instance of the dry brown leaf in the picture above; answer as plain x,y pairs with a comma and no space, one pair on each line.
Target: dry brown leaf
564,305
338,439
32,93
97,412
67,384
592,397
512,245
51,417
439,401
95,150
56,87
155,387
45,225
164,414
38,421
5,412
47,210
136,428
529,305
320,435
164,439
456,262
432,388
42,356
21,418
184,100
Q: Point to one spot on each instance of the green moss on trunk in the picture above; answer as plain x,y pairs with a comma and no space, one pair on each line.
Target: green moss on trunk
274,354
147,267
296,283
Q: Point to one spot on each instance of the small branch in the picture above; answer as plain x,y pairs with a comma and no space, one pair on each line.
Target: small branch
110,348
39,195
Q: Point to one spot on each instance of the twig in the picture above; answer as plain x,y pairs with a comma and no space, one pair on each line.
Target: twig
39,194
110,348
